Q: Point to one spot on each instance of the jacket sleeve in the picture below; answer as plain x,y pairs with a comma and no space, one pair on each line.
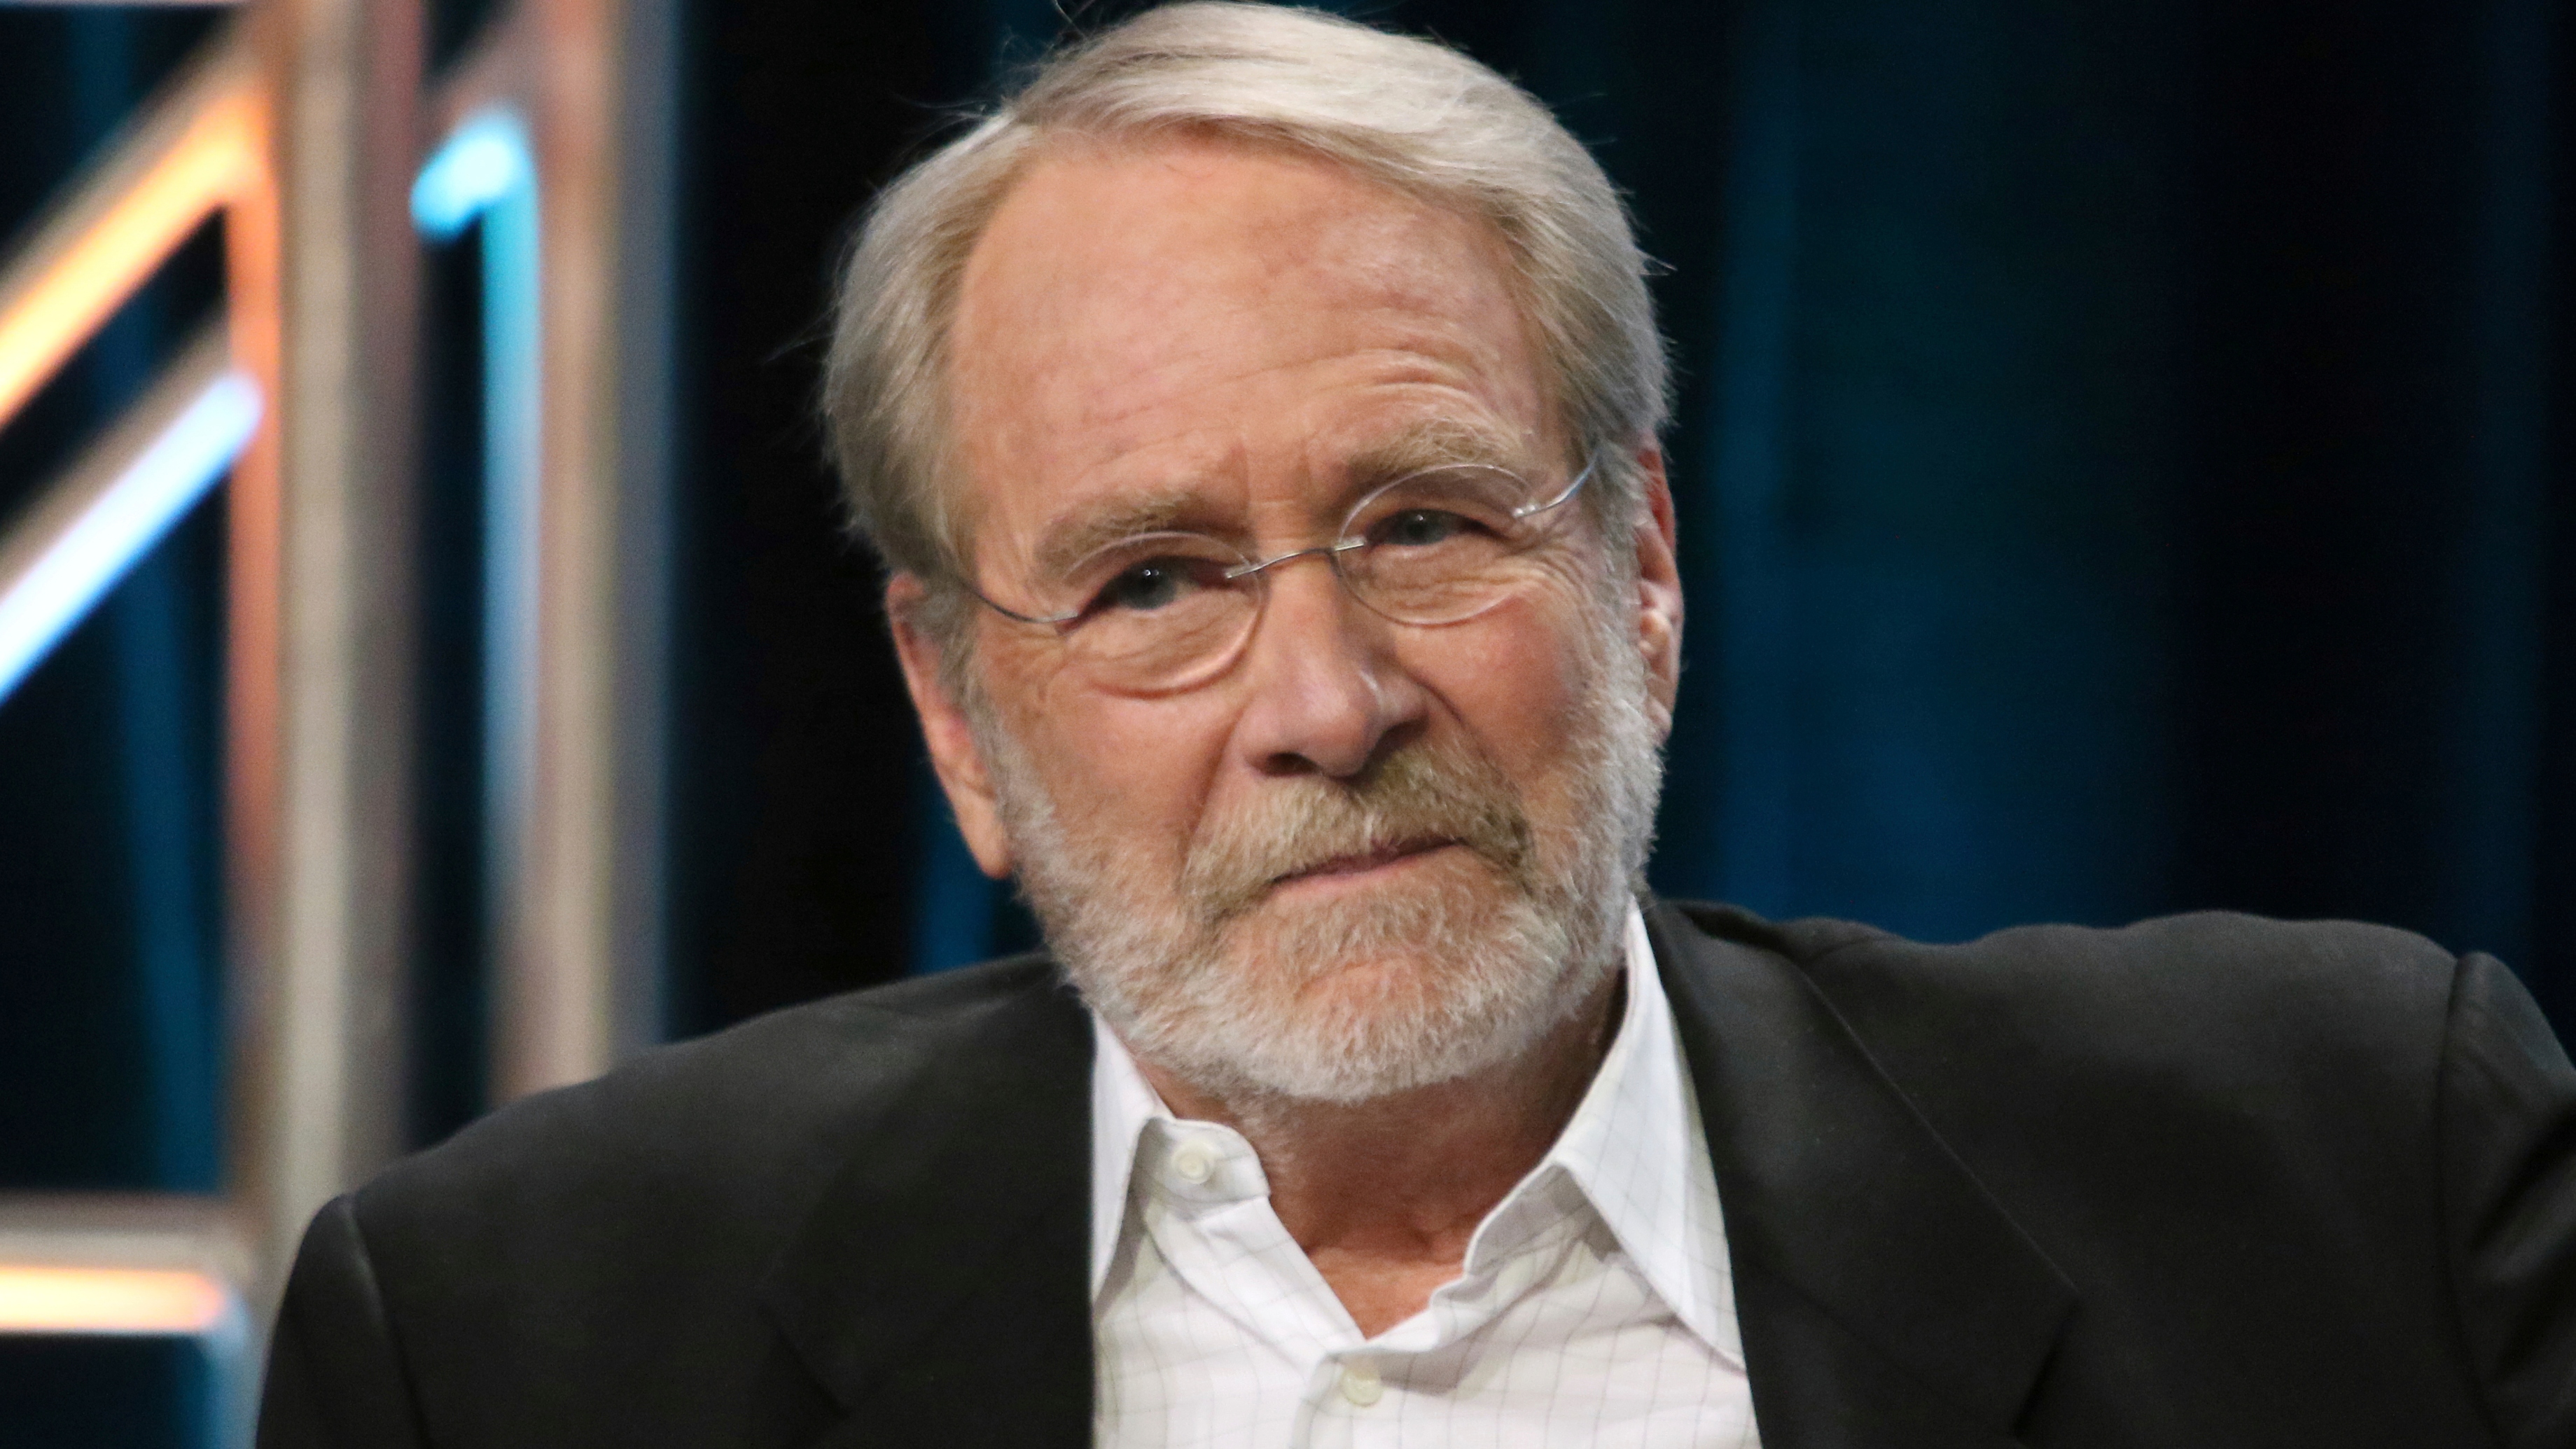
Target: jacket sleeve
335,1380
2508,1125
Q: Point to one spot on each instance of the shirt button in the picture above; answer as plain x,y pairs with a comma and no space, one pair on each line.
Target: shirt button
1361,1385
1192,1162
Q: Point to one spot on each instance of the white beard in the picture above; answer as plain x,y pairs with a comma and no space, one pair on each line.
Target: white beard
1368,992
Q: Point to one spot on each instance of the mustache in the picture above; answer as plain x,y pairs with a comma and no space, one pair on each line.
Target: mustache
1415,797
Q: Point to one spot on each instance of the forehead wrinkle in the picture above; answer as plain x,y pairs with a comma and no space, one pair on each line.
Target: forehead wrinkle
1409,353
1397,375
1441,441
1382,255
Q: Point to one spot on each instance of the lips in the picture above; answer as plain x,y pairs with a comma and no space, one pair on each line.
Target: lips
1364,861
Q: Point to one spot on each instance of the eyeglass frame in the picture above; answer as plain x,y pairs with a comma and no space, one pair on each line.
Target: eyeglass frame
1258,568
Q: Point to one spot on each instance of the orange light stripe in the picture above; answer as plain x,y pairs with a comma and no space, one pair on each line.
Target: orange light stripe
213,159
109,1300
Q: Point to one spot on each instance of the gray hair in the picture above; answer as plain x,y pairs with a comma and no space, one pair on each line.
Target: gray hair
1409,113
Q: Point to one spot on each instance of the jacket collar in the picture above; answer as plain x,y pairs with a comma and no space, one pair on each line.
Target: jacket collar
1878,1284
936,1288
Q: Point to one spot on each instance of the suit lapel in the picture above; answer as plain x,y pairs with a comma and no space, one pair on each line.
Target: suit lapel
937,1291
1884,1297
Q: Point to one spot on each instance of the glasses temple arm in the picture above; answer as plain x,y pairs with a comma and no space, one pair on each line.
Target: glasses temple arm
1571,489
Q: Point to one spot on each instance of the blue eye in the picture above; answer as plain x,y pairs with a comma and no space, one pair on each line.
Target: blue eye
1156,583
1420,528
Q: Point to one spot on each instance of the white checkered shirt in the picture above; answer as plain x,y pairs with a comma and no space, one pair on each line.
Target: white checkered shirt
1596,1306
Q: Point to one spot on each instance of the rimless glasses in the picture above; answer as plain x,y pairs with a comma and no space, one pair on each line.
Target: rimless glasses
1163,611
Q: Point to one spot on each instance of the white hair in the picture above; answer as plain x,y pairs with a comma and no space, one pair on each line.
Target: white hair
1411,114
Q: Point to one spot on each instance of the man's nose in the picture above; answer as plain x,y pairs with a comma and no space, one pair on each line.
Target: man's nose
1327,693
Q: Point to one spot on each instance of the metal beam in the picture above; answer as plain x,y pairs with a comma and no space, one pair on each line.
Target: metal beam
196,146
301,124
135,1265
577,955
323,602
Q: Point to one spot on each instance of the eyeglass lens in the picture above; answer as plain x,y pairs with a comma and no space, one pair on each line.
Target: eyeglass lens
1166,610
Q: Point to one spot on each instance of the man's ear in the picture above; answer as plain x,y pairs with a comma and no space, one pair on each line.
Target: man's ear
1659,590
953,750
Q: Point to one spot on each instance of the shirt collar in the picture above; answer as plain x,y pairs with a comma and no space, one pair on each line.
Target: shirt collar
1122,1102
1635,1147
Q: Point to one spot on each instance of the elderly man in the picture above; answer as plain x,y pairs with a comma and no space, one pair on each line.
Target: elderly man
1258,415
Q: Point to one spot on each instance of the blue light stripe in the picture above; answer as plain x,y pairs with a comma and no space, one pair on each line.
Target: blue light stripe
484,163
486,171
129,517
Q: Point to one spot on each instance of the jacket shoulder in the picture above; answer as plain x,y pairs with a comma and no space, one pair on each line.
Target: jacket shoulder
2220,1083
706,1142
586,1266
2225,980
2211,1054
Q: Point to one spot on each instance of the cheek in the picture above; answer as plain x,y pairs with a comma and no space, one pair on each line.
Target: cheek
1138,769
1514,680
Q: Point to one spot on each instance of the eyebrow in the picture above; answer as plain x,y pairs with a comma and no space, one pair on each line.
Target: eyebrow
1166,510
1183,507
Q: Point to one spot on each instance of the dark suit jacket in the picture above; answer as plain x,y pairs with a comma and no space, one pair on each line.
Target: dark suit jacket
2205,1181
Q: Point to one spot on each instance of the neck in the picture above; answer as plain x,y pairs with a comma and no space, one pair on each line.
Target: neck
1384,1195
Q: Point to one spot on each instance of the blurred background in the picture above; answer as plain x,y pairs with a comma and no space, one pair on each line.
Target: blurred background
2123,458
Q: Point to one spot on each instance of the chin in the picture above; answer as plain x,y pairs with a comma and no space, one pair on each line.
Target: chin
1366,995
